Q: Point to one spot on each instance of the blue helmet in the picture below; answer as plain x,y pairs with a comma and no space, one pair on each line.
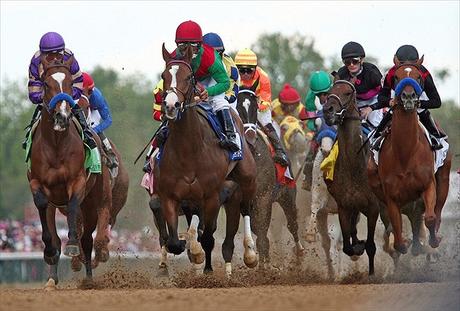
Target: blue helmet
213,39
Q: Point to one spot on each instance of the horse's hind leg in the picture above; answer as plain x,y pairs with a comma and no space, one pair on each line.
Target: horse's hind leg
325,240
287,202
429,199
232,211
260,221
442,188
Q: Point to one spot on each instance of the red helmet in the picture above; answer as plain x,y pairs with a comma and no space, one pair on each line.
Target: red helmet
289,95
88,82
189,31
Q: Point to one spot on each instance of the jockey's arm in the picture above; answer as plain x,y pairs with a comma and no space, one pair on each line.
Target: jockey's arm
434,100
98,101
77,77
35,86
219,74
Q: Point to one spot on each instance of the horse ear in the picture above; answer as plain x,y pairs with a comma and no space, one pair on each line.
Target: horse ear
166,54
396,60
335,74
420,60
255,85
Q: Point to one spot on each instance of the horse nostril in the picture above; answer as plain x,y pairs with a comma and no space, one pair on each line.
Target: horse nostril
177,105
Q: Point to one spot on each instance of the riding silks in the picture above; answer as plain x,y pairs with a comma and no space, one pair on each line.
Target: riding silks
328,164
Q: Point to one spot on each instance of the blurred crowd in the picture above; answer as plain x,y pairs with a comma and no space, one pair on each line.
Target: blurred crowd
20,236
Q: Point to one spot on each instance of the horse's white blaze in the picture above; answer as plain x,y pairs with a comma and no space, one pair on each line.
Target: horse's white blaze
173,72
408,71
171,99
246,104
59,77
62,108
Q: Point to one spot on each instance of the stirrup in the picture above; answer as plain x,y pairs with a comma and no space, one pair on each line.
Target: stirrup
435,145
230,144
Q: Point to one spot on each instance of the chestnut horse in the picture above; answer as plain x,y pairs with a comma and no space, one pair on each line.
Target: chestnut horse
268,190
349,186
58,178
405,170
193,167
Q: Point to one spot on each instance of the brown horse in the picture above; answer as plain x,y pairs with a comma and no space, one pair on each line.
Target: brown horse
268,190
57,177
349,186
193,167
405,170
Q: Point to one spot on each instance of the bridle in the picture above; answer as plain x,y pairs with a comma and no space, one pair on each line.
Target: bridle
344,106
187,94
249,126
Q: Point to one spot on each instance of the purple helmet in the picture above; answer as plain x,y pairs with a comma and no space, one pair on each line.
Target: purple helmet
51,41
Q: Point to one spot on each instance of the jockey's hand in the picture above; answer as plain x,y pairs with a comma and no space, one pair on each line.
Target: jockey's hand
365,112
204,95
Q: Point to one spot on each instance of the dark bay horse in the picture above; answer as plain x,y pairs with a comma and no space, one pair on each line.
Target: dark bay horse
405,170
58,178
194,168
349,186
268,190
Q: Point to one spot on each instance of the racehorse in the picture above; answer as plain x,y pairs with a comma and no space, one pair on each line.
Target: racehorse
193,167
294,140
405,170
349,186
58,178
268,190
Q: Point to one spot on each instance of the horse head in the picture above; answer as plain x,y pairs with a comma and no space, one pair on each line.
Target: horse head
341,103
178,83
247,106
408,83
57,81
293,135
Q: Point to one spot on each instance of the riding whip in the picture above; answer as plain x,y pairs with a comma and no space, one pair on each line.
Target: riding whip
149,142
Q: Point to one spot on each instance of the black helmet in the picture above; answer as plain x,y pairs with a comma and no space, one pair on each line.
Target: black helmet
407,53
352,49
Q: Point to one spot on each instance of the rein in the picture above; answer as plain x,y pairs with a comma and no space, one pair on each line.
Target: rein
188,94
344,106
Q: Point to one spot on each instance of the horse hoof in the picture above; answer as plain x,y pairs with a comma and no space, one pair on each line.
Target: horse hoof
94,263
176,248
299,250
358,249
401,248
52,260
432,258
50,285
196,252
435,241
354,257
250,258
87,283
102,255
416,249
162,270
75,264
72,250
310,237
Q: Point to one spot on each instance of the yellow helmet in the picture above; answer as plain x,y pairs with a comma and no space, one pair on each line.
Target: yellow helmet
246,57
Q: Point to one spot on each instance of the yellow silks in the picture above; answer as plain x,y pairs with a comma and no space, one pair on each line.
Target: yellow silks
328,164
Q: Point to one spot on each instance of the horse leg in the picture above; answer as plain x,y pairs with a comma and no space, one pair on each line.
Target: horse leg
358,245
101,240
197,254
232,212
414,212
429,199
372,216
260,222
394,213
210,213
56,242
442,188
169,210
345,226
387,247
159,221
287,202
325,241
89,217
72,248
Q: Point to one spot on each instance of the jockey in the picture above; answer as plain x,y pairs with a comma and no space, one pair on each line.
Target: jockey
366,78
320,84
210,72
214,40
246,61
52,47
97,103
409,54
288,104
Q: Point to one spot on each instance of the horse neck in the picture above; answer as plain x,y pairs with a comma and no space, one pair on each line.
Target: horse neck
349,136
404,134
187,133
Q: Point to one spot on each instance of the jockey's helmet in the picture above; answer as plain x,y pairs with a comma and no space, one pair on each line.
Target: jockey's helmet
214,40
88,82
189,31
352,49
320,82
51,41
246,58
289,95
407,53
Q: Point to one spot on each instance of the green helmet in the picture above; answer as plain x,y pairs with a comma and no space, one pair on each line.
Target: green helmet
320,82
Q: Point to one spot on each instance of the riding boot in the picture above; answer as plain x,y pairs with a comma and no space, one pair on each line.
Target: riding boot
38,109
377,137
280,155
112,157
307,171
87,135
230,142
435,134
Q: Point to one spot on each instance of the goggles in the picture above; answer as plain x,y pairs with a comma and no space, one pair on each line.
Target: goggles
349,61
